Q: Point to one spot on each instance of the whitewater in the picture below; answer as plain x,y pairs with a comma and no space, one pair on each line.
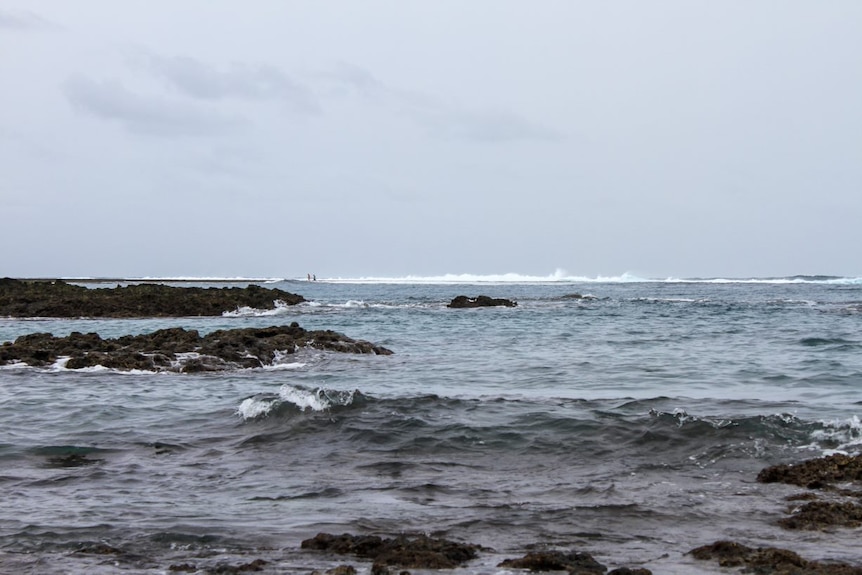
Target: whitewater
624,417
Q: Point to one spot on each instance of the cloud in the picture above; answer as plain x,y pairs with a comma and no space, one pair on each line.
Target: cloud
145,115
23,21
438,117
199,80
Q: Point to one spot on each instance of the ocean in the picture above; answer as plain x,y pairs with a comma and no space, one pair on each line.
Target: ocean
629,423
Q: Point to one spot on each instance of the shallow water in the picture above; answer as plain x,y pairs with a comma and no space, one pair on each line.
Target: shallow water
630,425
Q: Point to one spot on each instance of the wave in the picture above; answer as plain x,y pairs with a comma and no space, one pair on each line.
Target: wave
558,276
561,276
280,308
295,398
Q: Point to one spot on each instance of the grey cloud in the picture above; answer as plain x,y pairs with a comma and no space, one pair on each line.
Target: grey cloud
242,81
145,115
23,21
441,118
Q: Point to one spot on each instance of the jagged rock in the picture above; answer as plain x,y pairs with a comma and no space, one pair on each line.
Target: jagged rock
815,473
769,560
59,299
581,563
159,351
417,552
463,301
821,514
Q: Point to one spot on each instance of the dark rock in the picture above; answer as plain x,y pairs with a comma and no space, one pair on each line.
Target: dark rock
769,560
463,301
340,570
581,563
417,552
815,473
59,299
577,296
821,514
628,571
224,569
73,460
183,567
157,351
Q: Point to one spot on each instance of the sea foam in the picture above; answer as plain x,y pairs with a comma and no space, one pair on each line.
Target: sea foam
301,398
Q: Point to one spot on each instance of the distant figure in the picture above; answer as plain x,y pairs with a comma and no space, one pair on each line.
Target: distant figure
314,277
309,277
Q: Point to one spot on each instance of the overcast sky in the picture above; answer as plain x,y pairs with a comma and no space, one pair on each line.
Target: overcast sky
275,138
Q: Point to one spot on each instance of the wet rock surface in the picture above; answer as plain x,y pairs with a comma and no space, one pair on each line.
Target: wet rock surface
416,552
768,560
815,473
178,349
827,505
60,299
557,561
463,301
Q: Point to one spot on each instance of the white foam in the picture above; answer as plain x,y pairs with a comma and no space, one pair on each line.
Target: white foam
279,308
847,433
304,399
254,407
314,400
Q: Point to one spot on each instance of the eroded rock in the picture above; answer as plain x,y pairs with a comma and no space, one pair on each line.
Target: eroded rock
416,552
59,299
769,560
178,349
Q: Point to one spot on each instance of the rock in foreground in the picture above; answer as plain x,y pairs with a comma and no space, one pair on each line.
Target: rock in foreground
177,349
463,301
769,560
815,473
59,299
418,552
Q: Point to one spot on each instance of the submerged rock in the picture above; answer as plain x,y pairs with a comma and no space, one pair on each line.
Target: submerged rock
463,301
416,552
769,560
59,299
178,349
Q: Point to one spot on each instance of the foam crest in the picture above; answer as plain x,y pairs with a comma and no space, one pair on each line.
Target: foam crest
561,276
301,398
847,434
279,308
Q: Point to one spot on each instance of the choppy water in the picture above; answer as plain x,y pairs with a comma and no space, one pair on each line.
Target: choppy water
630,426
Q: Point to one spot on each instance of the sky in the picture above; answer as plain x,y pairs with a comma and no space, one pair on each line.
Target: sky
220,138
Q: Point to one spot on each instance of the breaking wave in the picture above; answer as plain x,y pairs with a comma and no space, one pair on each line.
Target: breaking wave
296,398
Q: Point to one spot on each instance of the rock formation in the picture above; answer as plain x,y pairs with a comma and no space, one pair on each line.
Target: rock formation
178,349
60,299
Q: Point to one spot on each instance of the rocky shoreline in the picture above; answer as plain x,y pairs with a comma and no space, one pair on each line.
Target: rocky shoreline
178,349
20,298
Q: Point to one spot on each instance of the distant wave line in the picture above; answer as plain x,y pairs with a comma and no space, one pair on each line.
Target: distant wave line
558,277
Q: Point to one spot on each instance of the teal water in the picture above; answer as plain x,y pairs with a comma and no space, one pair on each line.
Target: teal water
630,424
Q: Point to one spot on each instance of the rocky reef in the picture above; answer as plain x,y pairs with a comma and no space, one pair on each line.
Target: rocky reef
178,349
19,298
463,301
424,552
418,552
828,504
769,560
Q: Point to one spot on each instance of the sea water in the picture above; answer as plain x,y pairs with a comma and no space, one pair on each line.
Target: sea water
629,423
